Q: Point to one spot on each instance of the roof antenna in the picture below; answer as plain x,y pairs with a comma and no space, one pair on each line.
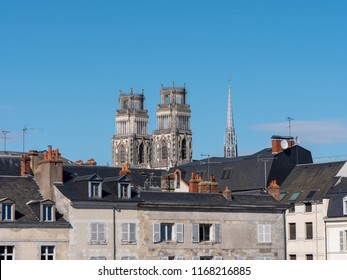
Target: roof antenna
289,119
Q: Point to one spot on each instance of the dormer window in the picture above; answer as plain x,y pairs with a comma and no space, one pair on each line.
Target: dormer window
345,205
7,210
47,211
124,190
95,189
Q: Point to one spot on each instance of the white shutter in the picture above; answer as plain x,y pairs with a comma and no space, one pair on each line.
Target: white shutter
164,258
156,233
267,233
341,241
132,232
260,233
101,232
93,232
125,232
179,258
195,238
196,258
129,191
179,233
217,233
218,258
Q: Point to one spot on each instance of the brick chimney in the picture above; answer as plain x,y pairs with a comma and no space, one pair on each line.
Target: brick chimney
227,193
209,186
49,171
125,170
25,168
280,143
34,162
274,190
194,182
91,162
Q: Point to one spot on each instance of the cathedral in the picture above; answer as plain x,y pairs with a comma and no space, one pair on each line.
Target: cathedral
169,145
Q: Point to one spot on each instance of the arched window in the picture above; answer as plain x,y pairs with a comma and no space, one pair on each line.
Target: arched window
164,154
141,154
184,149
122,155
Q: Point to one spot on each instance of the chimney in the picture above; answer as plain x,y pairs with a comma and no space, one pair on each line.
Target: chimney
193,182
34,162
125,170
79,162
227,193
274,190
281,143
48,172
25,168
91,162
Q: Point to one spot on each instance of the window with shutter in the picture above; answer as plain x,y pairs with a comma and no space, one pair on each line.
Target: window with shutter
128,232
179,233
264,233
342,241
98,233
196,233
217,233
156,233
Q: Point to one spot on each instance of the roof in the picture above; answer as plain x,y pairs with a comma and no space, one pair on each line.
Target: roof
310,182
336,195
22,190
139,177
10,165
247,172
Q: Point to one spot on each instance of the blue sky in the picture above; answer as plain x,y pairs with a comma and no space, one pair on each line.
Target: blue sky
63,63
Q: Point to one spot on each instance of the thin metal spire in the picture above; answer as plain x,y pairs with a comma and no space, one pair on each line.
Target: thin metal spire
230,146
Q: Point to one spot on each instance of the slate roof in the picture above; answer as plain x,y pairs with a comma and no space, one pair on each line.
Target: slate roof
307,178
10,165
139,177
247,172
22,190
335,195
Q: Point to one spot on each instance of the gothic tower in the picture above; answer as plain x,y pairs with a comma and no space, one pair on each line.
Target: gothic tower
230,146
131,143
172,141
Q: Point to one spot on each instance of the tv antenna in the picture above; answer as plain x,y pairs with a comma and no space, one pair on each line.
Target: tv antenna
25,131
4,136
289,119
208,163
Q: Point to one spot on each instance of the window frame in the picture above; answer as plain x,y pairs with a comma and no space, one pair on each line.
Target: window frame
177,232
124,190
47,212
99,231
309,231
7,211
7,255
292,231
46,254
94,189
128,232
308,207
206,232
264,233
344,204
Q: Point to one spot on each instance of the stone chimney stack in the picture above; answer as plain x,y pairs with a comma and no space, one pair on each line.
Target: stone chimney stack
227,193
194,182
25,168
274,190
34,162
48,172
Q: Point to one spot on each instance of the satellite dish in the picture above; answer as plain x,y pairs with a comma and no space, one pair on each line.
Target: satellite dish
284,144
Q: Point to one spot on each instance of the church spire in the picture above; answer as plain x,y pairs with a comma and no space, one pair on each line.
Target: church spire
230,147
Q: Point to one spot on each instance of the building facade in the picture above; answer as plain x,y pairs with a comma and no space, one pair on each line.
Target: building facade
169,145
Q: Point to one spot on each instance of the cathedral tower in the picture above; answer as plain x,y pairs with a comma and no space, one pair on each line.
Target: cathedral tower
131,143
172,141
230,146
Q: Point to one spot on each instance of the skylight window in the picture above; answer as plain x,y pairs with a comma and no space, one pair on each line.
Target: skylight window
294,196
311,194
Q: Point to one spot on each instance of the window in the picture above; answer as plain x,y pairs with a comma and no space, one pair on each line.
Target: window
47,252
97,233
292,257
6,252
309,257
308,207
124,190
345,205
127,258
141,154
292,208
167,99
309,231
226,174
264,258
311,194
292,231
95,189
165,232
206,232
7,211
184,149
122,154
47,212
343,240
164,153
179,99
294,196
97,258
264,233
128,232
282,195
